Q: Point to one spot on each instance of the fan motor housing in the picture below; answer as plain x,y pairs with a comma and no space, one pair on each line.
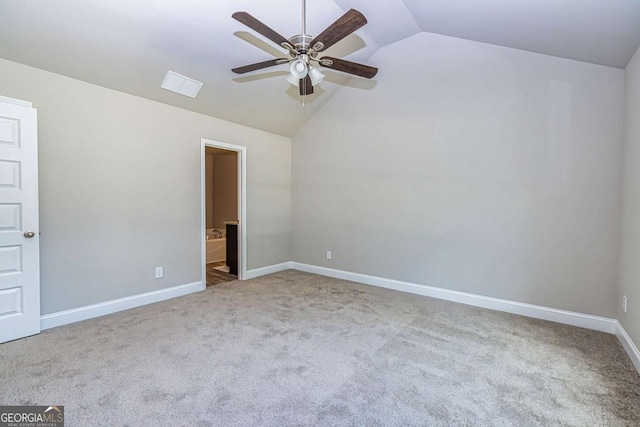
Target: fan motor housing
301,42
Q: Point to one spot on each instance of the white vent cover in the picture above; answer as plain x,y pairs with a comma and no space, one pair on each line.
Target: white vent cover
181,84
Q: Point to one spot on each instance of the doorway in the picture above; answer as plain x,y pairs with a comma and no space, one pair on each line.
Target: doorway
223,212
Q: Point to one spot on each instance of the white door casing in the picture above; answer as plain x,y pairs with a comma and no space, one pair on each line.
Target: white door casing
19,254
242,205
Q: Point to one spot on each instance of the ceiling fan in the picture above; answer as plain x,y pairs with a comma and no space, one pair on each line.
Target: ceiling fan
304,50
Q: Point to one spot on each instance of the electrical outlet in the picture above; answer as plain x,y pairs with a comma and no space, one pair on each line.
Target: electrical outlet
159,272
624,303
328,254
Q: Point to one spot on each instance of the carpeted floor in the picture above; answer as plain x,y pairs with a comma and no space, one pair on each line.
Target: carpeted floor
298,349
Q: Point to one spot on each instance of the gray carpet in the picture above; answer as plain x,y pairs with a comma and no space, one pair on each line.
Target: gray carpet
299,349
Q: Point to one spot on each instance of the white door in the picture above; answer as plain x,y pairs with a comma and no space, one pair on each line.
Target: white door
19,252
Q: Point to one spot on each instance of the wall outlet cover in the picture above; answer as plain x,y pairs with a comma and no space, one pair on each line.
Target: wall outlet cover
159,272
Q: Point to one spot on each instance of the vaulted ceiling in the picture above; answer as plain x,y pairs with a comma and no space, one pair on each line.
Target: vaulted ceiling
129,45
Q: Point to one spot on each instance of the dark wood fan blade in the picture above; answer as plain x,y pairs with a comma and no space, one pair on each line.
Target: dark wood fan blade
259,65
260,27
306,87
354,68
345,25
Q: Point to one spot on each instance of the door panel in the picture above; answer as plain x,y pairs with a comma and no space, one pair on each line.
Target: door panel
10,217
19,255
9,131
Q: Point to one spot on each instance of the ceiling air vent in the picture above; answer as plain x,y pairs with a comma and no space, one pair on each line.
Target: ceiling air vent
180,84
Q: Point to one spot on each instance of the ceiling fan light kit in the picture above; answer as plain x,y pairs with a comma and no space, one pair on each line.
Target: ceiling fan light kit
299,69
304,49
316,75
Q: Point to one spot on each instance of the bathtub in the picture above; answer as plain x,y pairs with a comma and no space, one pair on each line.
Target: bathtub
216,247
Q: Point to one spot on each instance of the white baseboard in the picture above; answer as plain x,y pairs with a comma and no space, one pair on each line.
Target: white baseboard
629,345
263,271
73,315
602,324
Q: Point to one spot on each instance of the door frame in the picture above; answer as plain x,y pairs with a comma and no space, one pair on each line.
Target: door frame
242,205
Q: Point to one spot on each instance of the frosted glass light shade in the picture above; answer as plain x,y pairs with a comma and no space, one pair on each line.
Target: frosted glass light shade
315,75
299,69
293,80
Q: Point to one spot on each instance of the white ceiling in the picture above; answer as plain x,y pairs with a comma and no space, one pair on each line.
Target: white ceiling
605,32
129,45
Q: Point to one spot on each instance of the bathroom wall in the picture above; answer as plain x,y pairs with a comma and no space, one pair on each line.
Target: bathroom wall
208,193
221,187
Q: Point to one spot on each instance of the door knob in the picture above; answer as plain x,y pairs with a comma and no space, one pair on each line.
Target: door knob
29,234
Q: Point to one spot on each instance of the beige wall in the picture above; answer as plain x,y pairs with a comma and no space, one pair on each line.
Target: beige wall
630,265
208,193
470,167
476,167
221,187
120,189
